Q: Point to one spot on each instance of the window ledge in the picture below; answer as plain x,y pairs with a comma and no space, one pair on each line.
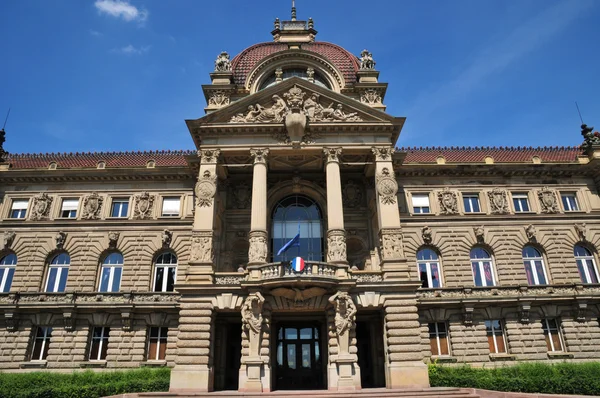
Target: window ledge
525,212
502,357
154,363
93,364
66,218
33,364
117,218
575,211
15,219
560,354
474,213
443,359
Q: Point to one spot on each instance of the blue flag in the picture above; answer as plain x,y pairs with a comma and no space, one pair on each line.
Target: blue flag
294,242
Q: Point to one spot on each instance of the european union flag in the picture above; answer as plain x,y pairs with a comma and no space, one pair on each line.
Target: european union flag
294,242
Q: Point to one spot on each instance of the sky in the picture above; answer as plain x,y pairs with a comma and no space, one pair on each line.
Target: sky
122,75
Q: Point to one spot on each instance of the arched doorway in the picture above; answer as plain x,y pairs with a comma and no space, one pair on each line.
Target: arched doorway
292,214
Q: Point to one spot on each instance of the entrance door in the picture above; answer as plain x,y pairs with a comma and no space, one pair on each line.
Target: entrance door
298,357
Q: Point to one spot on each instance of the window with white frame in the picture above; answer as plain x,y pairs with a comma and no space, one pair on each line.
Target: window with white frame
534,266
483,267
110,274
438,338
586,264
429,268
554,340
99,343
520,202
420,202
19,208
39,351
8,264
171,206
496,338
69,208
119,208
58,270
165,270
157,343
569,201
471,203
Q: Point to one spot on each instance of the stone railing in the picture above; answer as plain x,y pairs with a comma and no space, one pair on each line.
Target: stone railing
367,276
229,278
312,269
77,298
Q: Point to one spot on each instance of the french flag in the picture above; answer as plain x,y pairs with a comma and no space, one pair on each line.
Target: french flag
298,264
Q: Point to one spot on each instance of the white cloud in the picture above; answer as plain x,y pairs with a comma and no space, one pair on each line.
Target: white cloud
131,50
121,9
95,33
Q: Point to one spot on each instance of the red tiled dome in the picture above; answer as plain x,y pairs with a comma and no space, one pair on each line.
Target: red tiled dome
245,61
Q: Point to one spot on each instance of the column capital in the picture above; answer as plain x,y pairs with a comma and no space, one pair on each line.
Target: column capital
209,156
259,155
332,154
383,153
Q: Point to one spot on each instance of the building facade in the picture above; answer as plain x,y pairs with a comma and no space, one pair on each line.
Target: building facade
397,257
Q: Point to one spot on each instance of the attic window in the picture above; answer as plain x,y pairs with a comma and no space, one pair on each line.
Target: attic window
295,72
52,166
536,160
101,164
151,164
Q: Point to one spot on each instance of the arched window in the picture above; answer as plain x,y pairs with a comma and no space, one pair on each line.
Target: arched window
483,267
110,274
297,72
586,264
292,215
58,270
8,264
165,270
429,268
534,266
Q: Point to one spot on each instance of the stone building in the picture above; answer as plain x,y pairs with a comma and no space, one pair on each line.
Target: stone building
474,255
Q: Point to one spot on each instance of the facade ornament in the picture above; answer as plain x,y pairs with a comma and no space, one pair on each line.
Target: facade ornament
259,155
219,98
126,321
92,206
427,235
468,316
279,75
548,200
387,187
589,139
295,120
277,24
336,245
298,297
208,156
345,312
144,203
310,74
524,312
352,194
68,321
223,62
205,190
581,311
366,60
296,184
581,231
11,320
448,201
3,153
332,154
479,234
40,210
257,252
391,243
201,251
252,321
531,232
242,195
167,238
8,239
383,154
371,96
113,238
60,239
498,201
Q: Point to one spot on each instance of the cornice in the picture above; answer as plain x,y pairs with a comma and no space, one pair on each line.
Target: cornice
85,175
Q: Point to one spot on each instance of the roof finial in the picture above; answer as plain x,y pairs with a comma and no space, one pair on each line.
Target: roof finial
3,153
293,10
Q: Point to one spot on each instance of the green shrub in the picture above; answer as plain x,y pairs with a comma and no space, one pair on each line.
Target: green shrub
87,384
562,378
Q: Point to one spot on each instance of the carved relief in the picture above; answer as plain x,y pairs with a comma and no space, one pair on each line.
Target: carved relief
387,187
383,153
426,234
371,96
332,154
336,245
8,239
252,318
223,62
581,231
208,156
531,232
201,251
479,234
113,238
448,201
345,312
352,194
41,207
143,206
219,98
498,201
166,238
60,239
205,190
92,206
259,155
257,253
391,243
366,60
548,200
242,195
300,298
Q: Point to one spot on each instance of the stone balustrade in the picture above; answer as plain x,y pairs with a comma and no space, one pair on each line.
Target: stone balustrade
312,269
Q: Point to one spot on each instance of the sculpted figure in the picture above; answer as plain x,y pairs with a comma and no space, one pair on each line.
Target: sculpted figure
311,105
345,311
252,318
366,60
223,63
8,239
426,233
338,114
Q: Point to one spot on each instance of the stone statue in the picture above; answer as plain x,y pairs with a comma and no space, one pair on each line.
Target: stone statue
8,239
581,231
589,137
426,234
366,60
60,239
345,312
3,153
479,234
167,237
223,63
530,232
252,318
113,238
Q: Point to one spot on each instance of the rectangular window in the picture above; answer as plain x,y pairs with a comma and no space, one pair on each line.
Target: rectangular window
429,272
19,208
569,201
495,335
41,343
420,203
521,202
99,344
554,339
110,278
119,207
69,208
171,207
471,202
57,278
483,274
6,277
438,339
157,344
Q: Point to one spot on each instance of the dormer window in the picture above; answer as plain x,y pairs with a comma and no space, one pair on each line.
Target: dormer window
307,74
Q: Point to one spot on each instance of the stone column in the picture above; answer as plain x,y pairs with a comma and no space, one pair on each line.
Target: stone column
258,252
254,369
193,365
404,366
343,372
201,257
336,235
393,260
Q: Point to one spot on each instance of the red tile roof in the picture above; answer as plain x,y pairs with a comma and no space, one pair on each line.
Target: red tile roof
500,155
245,61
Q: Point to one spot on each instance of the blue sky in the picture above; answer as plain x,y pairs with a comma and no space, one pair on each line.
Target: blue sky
89,75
